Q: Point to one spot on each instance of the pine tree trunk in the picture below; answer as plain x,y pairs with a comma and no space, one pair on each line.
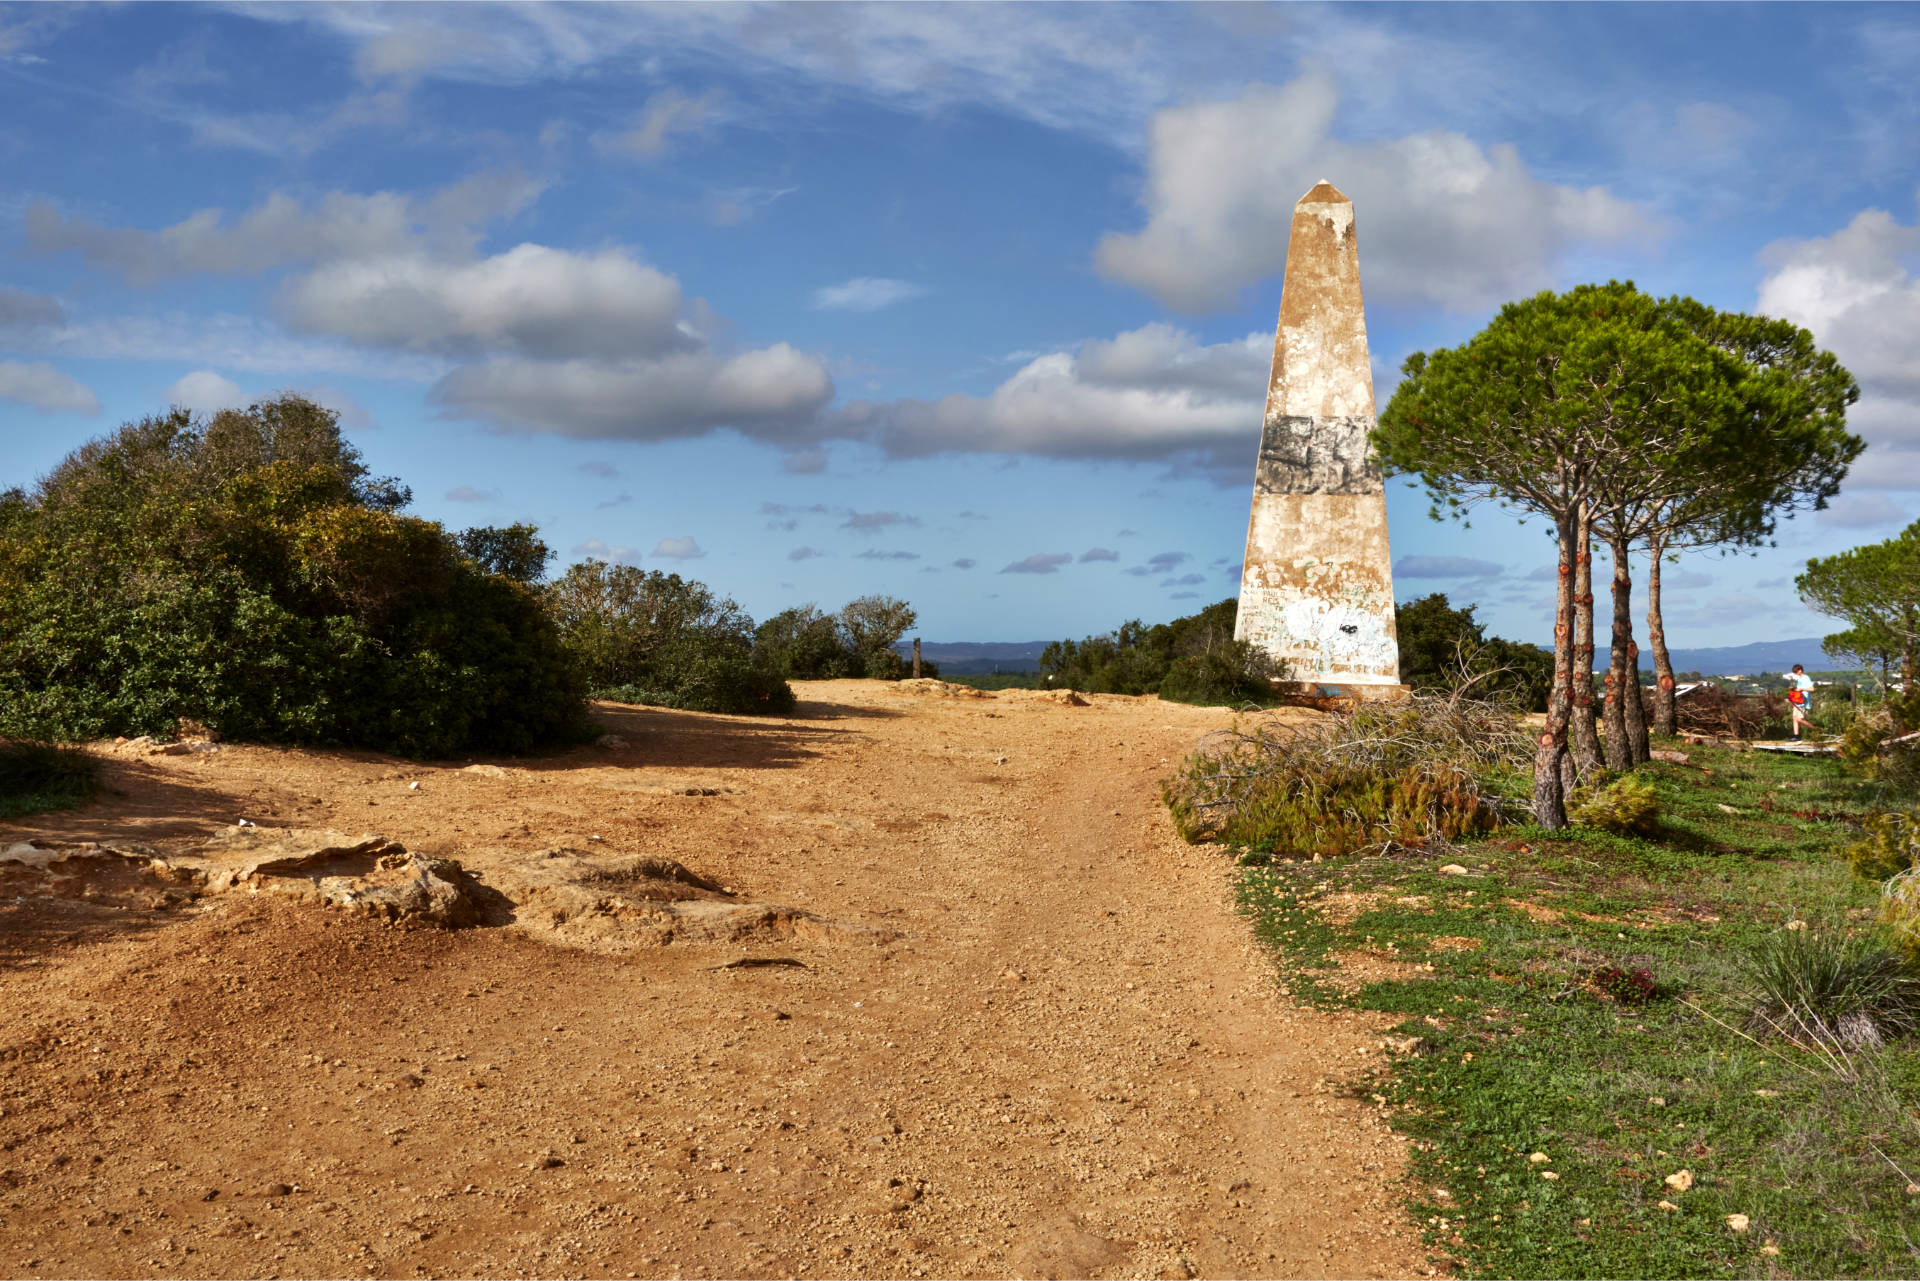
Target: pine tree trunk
1619,744
1585,742
1637,740
1663,713
1549,791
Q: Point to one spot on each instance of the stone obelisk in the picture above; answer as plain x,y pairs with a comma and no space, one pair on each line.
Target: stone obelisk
1317,589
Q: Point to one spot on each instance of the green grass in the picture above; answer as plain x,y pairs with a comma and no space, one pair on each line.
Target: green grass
1526,1056
43,776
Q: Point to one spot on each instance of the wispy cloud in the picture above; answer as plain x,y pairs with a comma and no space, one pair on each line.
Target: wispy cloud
679,549
1040,563
865,293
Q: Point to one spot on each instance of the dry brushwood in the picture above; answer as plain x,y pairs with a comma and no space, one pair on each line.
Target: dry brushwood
1376,778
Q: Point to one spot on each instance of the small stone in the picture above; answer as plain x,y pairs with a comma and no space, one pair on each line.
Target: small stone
612,742
1770,1250
1665,1205
1657,1101
1725,808
413,786
1738,1222
276,1189
1680,1180
1796,926
1549,1175
1539,1158
1453,869
1768,1094
1668,755
546,1160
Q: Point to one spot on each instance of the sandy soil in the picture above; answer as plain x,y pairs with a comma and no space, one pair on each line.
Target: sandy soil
1028,1035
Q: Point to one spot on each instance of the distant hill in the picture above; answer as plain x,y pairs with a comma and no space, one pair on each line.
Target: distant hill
1745,660
976,658
979,658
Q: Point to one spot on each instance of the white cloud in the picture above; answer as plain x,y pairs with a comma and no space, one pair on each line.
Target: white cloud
679,549
1440,218
45,388
531,299
865,293
281,230
1865,510
597,549
761,393
20,308
468,494
205,392
1151,393
1859,292
667,113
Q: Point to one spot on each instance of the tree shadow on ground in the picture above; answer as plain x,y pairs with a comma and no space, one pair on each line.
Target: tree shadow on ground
136,801
34,930
660,737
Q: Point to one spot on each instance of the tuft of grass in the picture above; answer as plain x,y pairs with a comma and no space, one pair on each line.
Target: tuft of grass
37,776
1528,1054
1832,986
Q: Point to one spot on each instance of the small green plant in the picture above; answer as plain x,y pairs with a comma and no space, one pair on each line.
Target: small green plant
1831,987
37,776
1625,805
1629,987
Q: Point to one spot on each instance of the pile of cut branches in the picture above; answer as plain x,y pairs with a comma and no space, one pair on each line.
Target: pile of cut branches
1381,776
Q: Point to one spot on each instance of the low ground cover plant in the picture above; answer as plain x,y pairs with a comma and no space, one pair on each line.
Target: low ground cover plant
1584,1075
36,776
1190,660
1384,775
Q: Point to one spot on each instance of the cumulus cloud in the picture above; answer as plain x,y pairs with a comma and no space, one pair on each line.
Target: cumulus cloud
468,494
587,344
530,300
1859,292
45,388
679,549
965,562
1098,553
205,392
20,308
596,549
757,392
865,293
1445,567
1040,563
804,553
1155,392
805,462
1442,218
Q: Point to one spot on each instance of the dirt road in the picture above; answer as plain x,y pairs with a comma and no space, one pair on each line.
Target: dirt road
1027,1035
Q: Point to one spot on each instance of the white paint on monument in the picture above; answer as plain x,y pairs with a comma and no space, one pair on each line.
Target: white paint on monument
1317,590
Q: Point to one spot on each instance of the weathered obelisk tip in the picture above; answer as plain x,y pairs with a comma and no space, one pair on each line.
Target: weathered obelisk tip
1317,590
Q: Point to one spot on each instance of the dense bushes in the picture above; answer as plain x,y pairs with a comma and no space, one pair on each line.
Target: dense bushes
804,644
1442,648
249,573
1191,660
646,637
1382,774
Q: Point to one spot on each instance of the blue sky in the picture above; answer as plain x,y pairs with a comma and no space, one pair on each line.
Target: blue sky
971,305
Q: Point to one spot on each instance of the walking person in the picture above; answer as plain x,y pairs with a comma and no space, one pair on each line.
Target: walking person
1799,697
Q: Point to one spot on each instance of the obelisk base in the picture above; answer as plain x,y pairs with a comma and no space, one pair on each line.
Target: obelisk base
1333,696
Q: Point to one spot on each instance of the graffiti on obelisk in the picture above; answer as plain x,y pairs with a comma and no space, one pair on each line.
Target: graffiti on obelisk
1317,589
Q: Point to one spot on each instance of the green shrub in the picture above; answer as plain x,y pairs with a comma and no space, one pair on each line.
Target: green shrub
1625,805
248,573
37,776
1229,673
860,641
1382,774
1831,987
1442,647
1889,844
649,637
